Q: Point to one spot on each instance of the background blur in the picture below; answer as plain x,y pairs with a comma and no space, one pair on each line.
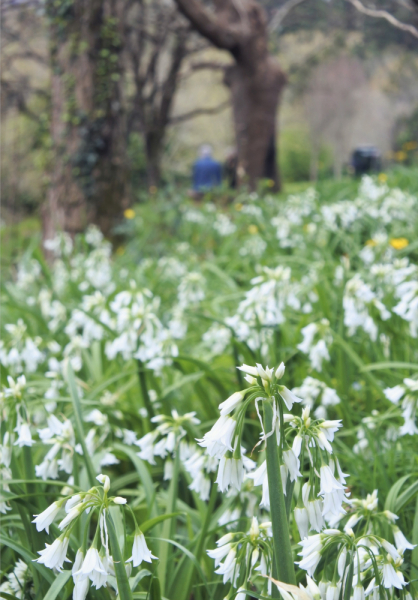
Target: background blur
352,80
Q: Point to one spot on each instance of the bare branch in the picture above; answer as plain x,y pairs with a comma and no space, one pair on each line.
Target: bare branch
209,65
197,112
209,25
281,13
383,14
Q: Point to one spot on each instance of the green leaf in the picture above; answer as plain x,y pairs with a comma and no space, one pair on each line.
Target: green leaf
28,557
143,473
406,497
392,496
192,378
155,589
187,553
58,584
355,358
79,424
7,596
133,581
349,581
388,365
151,522
281,540
165,564
124,588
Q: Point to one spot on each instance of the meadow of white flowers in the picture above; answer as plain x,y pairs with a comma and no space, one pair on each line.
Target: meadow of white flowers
226,407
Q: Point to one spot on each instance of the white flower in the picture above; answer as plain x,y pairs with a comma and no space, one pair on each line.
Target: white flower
254,529
352,521
25,437
302,521
401,541
219,439
73,514
328,482
260,478
140,550
280,371
392,577
288,396
394,394
333,593
44,520
250,370
105,481
146,443
93,568
297,445
241,594
313,589
229,569
81,584
119,500
231,403
311,553
231,472
96,417
218,554
358,592
54,555
314,508
265,374
292,463
71,502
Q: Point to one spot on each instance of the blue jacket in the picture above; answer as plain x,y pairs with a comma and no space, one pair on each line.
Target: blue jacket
207,173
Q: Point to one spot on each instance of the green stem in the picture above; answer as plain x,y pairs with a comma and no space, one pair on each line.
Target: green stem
144,389
124,589
182,588
79,424
283,559
169,525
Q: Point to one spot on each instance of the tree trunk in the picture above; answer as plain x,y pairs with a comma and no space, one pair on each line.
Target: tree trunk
255,80
88,180
153,146
255,93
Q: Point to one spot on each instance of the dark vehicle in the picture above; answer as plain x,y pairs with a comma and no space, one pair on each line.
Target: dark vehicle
366,159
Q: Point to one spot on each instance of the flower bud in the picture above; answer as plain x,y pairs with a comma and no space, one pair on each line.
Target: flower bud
280,370
119,500
104,479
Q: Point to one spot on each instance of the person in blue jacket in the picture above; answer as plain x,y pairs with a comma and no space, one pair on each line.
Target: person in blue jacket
207,172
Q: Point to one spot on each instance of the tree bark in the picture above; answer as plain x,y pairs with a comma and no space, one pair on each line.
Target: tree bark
88,180
255,79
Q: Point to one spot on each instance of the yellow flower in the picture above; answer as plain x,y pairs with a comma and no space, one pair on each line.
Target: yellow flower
410,146
238,206
129,213
371,243
253,229
153,189
120,251
270,183
382,178
399,243
400,156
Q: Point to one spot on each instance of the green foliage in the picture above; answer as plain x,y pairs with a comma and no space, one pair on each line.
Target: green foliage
158,329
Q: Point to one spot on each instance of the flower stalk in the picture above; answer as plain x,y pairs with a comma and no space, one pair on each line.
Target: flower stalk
282,552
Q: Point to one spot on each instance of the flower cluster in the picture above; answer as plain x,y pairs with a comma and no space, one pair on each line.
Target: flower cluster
169,432
96,563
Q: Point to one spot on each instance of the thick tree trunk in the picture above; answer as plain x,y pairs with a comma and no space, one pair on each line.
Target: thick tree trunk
255,93
255,80
88,180
153,146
